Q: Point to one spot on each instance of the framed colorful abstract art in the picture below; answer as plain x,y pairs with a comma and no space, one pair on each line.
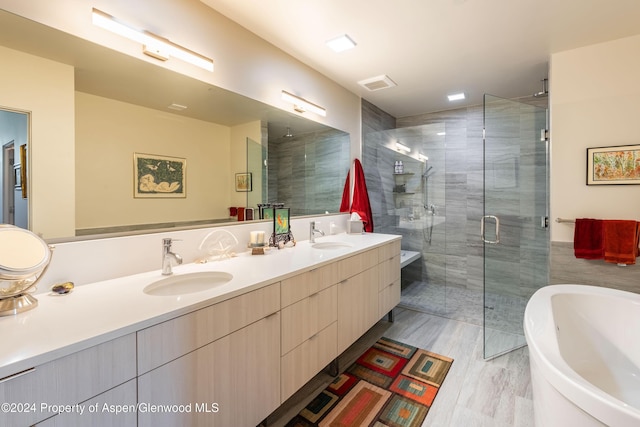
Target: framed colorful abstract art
613,165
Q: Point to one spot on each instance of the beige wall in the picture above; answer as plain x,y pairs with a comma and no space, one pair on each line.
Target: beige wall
108,132
595,101
45,90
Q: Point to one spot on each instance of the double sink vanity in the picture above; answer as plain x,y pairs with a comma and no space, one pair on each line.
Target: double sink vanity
216,344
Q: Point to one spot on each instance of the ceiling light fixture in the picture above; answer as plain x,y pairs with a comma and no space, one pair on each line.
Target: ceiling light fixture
152,45
341,43
456,96
301,105
441,133
422,157
402,147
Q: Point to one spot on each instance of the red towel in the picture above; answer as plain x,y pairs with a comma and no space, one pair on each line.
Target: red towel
621,241
360,203
588,239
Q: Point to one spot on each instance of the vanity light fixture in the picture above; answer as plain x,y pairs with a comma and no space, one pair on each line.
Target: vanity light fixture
403,147
177,107
422,157
341,43
152,45
301,105
456,96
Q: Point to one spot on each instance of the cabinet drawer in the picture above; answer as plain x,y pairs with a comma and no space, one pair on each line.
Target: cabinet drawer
306,318
389,272
356,264
389,250
301,286
169,340
305,361
389,297
69,380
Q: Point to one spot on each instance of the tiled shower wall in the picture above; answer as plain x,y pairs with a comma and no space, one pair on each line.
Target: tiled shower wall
307,171
454,257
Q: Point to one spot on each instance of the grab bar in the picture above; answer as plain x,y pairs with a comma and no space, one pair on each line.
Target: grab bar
484,239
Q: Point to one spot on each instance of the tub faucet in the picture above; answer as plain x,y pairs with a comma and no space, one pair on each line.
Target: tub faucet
312,232
168,256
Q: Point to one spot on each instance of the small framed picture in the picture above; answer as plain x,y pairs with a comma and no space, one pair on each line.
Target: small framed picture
281,221
613,165
157,176
243,181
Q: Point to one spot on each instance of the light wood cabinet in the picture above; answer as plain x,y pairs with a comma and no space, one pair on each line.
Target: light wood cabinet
305,361
305,318
389,283
114,408
357,306
309,329
69,380
232,381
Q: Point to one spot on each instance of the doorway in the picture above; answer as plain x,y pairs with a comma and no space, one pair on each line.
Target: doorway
14,137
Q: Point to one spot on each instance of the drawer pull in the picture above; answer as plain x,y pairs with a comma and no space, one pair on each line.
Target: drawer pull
17,374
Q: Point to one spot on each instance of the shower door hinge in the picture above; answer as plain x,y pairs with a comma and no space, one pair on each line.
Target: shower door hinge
544,222
544,135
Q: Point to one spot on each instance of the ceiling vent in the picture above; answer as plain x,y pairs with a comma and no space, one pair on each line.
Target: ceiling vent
377,83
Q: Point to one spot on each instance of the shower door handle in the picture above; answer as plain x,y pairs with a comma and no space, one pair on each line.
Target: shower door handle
482,228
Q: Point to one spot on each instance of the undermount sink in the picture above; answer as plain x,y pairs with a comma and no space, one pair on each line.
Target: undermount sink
188,283
331,245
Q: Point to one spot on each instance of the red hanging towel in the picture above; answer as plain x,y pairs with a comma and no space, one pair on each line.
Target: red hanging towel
620,241
588,239
360,203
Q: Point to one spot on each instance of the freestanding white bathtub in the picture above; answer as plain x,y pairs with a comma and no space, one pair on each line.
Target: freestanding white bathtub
584,351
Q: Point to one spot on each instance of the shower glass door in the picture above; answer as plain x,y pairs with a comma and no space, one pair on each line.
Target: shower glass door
515,223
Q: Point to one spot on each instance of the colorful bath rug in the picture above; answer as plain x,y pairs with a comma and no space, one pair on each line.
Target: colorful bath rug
391,384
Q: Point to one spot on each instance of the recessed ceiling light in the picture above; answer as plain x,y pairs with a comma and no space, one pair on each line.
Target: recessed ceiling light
456,96
341,43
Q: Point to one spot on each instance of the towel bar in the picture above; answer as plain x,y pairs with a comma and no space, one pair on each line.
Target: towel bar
559,220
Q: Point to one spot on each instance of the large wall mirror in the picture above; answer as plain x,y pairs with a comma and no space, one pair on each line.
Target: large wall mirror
123,109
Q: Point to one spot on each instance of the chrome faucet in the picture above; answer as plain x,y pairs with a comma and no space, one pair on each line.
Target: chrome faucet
312,232
167,256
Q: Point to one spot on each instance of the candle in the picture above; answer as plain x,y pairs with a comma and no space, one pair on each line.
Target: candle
256,238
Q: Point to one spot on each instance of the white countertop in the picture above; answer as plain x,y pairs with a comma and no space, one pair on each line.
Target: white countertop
98,312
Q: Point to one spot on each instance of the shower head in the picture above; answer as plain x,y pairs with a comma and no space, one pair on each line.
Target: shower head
426,173
544,91
288,134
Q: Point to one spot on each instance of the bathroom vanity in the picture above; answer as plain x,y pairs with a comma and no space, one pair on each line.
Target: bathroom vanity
110,354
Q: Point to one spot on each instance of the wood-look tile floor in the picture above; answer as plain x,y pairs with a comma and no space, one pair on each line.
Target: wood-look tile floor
475,393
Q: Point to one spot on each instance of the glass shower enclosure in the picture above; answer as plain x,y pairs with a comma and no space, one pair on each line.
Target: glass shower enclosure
514,227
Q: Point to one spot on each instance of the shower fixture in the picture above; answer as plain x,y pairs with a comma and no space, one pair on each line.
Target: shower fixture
288,134
544,91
